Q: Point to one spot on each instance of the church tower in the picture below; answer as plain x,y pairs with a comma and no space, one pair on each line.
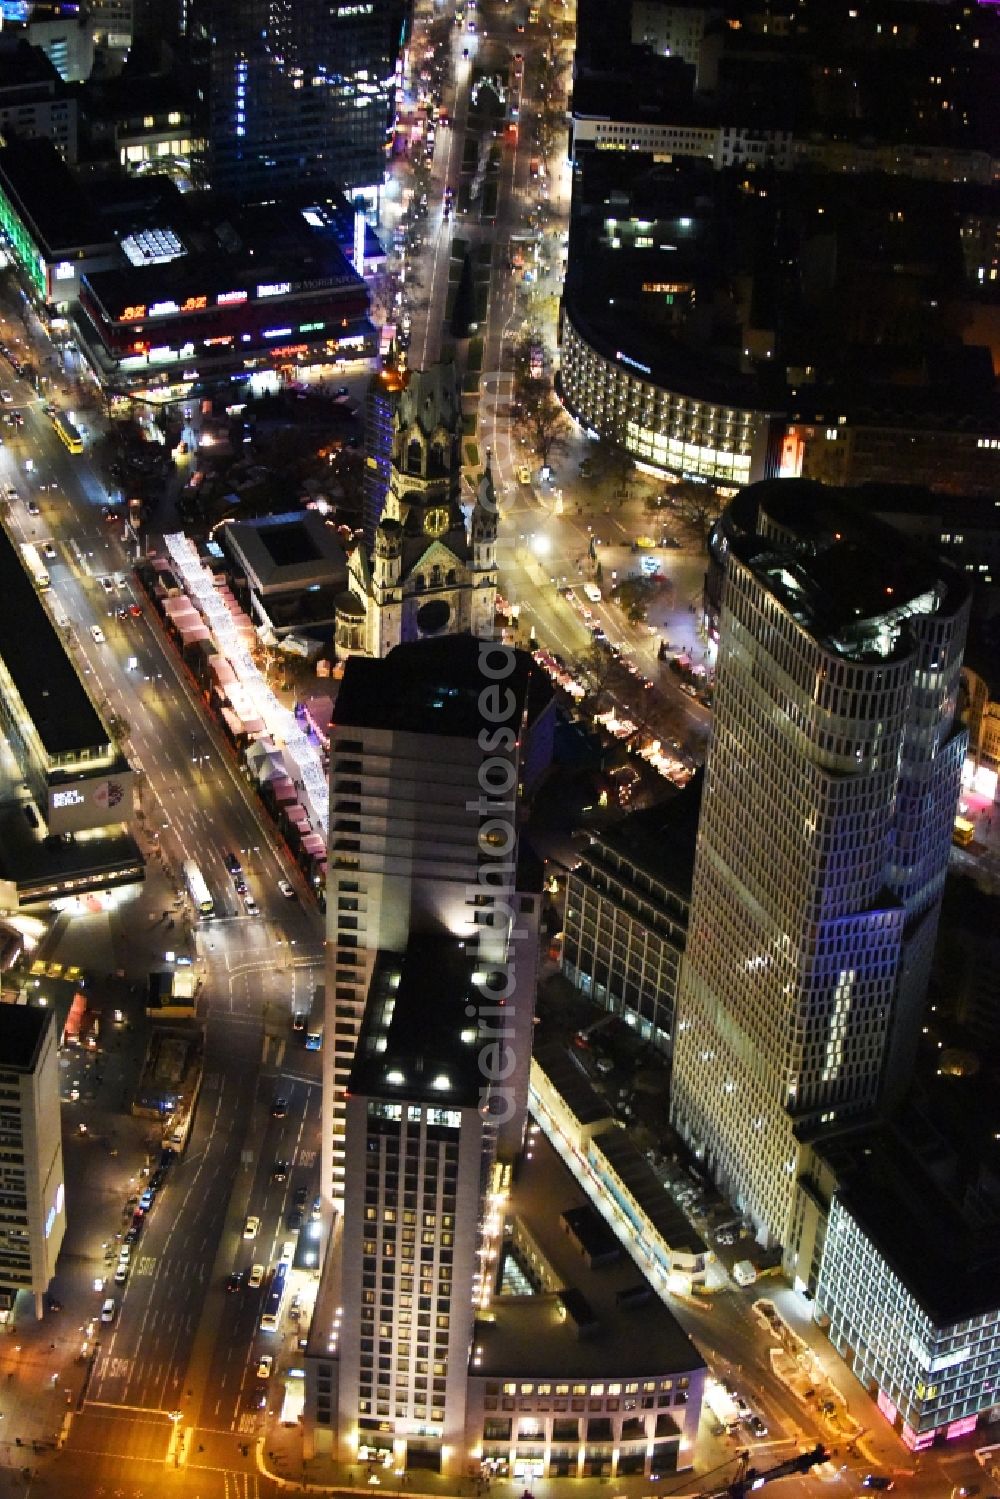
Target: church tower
485,524
387,595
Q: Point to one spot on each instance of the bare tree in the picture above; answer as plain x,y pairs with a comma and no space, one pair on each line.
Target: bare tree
594,667
697,508
543,422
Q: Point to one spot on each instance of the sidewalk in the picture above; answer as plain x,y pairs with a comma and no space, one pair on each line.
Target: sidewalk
279,1458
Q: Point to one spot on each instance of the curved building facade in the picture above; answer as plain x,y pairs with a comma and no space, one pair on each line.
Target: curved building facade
629,402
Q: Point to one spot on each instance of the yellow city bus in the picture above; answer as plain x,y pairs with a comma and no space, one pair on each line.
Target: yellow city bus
68,432
963,832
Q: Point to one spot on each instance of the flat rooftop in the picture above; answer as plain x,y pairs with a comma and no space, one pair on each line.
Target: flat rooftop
36,659
22,1028
635,1172
231,248
281,551
629,1333
949,1262
35,177
660,840
433,687
570,1081
417,1041
39,870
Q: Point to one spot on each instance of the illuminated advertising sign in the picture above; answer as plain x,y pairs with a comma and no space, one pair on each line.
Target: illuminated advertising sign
134,314
161,309
195,304
90,803
65,271
230,298
68,798
55,1210
632,363
277,332
274,289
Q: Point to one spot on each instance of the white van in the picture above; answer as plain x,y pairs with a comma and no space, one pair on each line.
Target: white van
108,1310
592,592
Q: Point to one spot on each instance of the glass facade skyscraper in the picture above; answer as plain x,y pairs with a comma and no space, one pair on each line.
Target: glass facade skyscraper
303,89
831,786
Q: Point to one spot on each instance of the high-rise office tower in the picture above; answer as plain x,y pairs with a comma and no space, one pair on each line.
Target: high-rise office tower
405,826
830,790
427,1056
421,1146
302,89
32,1191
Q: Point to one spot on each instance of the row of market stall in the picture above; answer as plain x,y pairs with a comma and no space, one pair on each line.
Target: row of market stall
283,755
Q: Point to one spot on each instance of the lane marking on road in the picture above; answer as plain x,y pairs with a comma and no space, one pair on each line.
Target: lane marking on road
112,1405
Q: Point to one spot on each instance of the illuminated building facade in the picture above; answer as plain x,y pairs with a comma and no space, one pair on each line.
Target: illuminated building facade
906,1263
625,401
408,910
626,915
420,1156
830,792
32,1191
403,851
274,288
303,90
427,573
